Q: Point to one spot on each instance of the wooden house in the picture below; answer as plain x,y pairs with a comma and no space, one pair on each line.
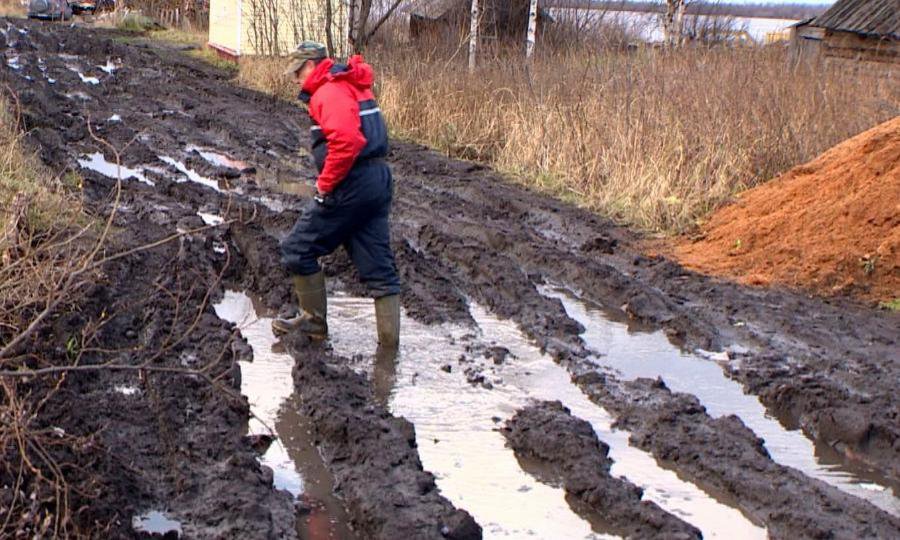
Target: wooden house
272,27
503,20
863,32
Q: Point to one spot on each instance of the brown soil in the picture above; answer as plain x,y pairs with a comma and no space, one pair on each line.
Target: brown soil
831,226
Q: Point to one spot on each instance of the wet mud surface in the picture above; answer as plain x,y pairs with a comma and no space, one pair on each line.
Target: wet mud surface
461,234
548,432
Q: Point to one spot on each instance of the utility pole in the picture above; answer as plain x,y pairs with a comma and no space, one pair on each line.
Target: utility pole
473,35
532,29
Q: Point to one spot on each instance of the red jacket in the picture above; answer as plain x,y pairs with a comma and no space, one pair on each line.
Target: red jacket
347,126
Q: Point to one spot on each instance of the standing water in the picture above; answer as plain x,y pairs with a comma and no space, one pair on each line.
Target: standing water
457,428
268,384
650,354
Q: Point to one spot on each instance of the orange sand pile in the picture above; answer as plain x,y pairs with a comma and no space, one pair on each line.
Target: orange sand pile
831,226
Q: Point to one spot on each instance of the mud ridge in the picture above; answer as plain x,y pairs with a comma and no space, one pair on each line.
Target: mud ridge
839,351
547,431
372,454
725,455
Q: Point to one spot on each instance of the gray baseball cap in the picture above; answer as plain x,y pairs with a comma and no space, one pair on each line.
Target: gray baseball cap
306,50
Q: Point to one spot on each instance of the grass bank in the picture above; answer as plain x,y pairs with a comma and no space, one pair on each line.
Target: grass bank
654,139
44,241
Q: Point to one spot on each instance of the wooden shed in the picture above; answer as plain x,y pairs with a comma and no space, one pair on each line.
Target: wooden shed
272,27
500,19
859,31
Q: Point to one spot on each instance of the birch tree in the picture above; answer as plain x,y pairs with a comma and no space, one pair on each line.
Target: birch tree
532,29
473,35
673,22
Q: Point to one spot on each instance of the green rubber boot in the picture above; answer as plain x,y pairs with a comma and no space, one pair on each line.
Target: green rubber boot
310,291
387,318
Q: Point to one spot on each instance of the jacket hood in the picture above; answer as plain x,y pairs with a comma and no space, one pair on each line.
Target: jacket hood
357,72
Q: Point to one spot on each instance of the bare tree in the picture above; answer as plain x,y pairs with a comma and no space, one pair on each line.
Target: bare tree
361,11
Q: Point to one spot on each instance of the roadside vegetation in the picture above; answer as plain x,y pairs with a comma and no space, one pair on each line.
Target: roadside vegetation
45,241
654,138
12,8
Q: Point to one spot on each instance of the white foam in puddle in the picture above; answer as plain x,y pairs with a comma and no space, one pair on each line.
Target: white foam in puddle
458,439
211,219
267,383
191,175
96,162
109,67
156,522
126,390
88,80
643,354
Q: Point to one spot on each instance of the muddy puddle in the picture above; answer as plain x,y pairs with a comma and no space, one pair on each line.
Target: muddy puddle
96,162
268,384
218,159
157,523
457,426
191,174
641,353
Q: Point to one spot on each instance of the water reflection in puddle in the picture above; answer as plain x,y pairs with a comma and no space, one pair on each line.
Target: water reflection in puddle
456,429
269,386
96,162
156,522
191,174
218,159
650,354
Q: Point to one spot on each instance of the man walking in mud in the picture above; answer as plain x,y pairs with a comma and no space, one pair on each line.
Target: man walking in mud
353,198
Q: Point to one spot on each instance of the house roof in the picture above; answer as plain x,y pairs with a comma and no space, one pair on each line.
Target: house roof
879,18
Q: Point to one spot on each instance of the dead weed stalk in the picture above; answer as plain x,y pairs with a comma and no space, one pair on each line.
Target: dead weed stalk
51,250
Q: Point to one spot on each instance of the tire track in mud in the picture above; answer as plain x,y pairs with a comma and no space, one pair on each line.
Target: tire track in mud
548,432
460,231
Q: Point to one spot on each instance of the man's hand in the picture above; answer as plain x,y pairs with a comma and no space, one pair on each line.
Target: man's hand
320,197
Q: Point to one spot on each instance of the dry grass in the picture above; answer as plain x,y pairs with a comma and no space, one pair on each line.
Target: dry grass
42,231
652,139
12,8
266,75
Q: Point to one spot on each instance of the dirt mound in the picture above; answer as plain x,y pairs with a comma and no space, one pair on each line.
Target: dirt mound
831,225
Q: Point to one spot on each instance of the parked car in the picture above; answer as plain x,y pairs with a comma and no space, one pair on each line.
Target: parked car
49,10
80,7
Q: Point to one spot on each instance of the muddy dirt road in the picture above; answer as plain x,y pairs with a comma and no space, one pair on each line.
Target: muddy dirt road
509,297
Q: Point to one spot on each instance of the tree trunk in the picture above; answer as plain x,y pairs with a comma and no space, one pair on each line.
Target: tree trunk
360,36
473,35
679,22
329,33
673,23
351,25
531,36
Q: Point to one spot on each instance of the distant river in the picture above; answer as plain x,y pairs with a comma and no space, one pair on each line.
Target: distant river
648,27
